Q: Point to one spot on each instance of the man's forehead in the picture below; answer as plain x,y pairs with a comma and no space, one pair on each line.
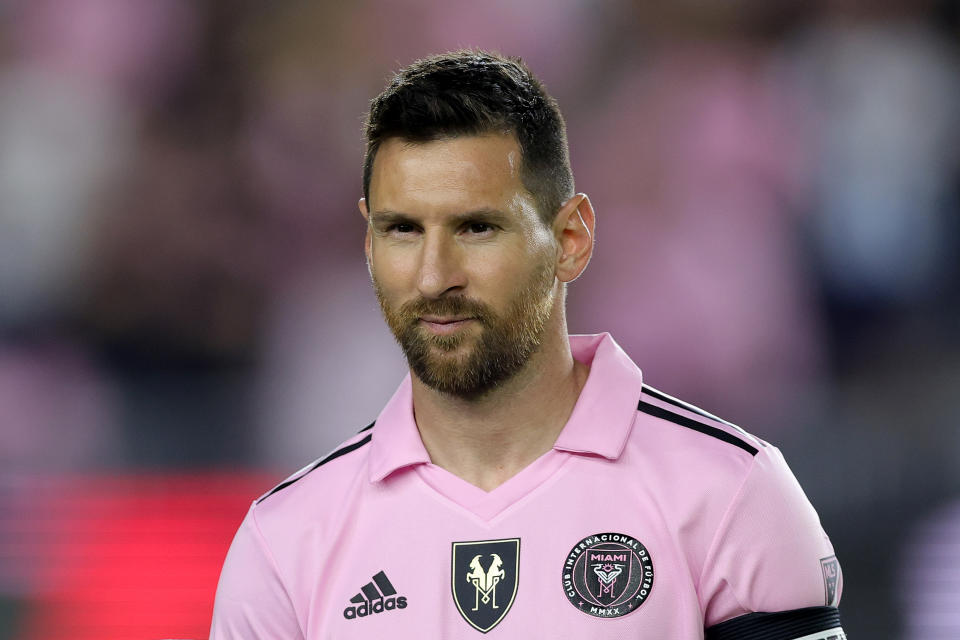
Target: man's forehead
483,168
493,152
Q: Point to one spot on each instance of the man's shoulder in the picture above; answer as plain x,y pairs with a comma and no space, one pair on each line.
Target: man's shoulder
315,479
699,466
668,427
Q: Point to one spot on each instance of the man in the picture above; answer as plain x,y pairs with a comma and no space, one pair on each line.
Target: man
521,481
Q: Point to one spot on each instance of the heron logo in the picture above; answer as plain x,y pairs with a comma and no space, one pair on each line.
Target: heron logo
484,580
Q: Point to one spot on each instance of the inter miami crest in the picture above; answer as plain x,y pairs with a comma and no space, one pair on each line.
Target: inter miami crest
484,580
608,575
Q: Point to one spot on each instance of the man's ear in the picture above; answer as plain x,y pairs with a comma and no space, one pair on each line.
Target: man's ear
362,205
574,230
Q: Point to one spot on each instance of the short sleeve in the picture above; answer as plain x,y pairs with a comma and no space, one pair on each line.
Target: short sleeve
770,553
252,602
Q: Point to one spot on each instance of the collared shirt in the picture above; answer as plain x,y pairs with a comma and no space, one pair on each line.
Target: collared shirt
649,518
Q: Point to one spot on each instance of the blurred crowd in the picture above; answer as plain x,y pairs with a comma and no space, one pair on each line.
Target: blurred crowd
183,292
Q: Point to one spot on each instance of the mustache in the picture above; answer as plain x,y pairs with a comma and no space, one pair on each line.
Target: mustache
458,306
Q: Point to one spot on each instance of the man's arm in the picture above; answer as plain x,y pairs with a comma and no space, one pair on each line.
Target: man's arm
771,572
252,601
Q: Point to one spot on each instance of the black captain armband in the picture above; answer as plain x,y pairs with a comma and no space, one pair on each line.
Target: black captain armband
812,623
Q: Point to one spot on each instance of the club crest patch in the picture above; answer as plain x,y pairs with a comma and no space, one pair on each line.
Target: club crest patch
831,579
608,575
484,580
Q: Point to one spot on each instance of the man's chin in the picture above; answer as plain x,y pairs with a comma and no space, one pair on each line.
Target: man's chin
444,367
453,383
460,344
448,360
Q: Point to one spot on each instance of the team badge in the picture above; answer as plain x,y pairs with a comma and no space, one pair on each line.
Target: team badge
484,580
831,579
608,575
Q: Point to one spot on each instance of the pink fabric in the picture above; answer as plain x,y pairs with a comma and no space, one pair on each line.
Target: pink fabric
727,532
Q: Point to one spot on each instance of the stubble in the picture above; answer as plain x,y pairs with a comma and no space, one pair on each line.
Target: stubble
469,364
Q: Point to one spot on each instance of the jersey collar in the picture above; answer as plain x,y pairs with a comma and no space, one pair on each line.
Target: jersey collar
599,424
396,440
607,406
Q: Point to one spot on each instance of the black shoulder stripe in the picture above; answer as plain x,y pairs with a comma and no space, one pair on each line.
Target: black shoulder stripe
660,395
368,427
683,421
333,456
783,625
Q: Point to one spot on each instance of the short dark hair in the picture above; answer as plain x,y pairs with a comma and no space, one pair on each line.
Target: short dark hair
473,92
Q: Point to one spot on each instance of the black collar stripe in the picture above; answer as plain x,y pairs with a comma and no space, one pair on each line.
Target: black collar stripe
660,395
342,451
684,421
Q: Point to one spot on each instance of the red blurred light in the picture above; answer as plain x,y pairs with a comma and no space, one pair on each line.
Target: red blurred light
136,556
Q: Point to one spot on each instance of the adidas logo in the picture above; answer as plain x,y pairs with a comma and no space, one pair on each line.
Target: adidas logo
375,597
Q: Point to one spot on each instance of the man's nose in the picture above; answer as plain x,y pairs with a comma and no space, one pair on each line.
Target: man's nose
441,268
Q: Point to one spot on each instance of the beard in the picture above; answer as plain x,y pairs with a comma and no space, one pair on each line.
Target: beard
450,363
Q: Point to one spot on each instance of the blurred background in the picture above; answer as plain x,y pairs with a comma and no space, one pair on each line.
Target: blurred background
186,316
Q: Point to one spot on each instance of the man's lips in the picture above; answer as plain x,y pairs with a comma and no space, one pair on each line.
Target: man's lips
442,325
444,319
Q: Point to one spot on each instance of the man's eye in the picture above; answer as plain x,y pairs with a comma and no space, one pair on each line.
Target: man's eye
401,227
479,227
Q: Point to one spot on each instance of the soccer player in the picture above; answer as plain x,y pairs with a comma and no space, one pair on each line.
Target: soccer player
521,482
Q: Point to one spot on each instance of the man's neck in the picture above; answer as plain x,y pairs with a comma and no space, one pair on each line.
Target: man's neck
489,440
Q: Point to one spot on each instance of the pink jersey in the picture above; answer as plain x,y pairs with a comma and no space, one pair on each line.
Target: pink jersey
649,518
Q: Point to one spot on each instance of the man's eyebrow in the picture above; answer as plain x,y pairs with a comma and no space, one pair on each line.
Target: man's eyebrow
386,216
